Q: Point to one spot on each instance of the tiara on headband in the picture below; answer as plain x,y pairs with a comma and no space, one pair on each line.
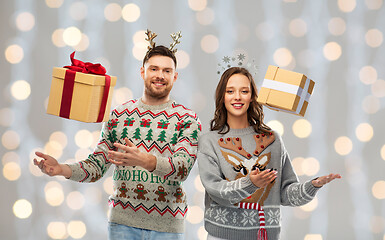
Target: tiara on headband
238,61
175,37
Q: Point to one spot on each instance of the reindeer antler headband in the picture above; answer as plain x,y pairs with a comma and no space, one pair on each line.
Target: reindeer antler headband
175,37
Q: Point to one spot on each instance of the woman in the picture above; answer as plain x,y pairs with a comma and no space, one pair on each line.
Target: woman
245,168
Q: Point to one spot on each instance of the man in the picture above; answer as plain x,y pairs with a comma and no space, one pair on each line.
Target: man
152,142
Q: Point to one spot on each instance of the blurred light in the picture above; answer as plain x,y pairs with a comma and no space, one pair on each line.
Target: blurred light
139,51
57,38
377,224
197,5
72,36
75,200
371,104
14,54
195,215
122,94
11,171
10,140
283,57
297,27
202,233
83,44
332,51
54,195
313,237
276,126
302,128
54,3
54,149
10,157
368,75
6,117
57,230
301,214
183,59
82,153
374,38
198,184
139,37
95,138
343,145
265,31
22,208
83,138
131,12
378,190
59,137
378,88
20,90
78,11
206,16
310,166
347,5
113,12
297,165
374,5
383,152
25,21
337,26
76,229
306,58
209,43
311,206
107,186
364,132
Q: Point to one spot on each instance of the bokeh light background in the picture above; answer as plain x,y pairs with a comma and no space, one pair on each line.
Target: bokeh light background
338,43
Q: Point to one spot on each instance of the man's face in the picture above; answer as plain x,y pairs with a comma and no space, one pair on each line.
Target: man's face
159,76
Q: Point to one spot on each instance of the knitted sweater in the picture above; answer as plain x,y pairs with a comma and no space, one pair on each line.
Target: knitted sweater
142,199
225,162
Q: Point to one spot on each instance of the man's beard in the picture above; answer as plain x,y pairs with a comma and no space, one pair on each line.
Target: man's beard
149,90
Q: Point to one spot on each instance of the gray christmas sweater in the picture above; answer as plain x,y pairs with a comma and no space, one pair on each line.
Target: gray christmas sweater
225,162
149,200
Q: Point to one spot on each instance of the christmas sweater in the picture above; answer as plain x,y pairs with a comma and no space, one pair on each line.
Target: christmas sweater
225,161
149,200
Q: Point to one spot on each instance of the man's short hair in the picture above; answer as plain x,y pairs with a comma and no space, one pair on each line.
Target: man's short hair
159,51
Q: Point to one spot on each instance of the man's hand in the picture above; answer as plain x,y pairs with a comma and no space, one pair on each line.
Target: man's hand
320,181
131,156
262,179
51,167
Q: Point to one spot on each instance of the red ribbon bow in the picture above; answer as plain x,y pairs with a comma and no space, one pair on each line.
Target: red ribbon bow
69,82
86,67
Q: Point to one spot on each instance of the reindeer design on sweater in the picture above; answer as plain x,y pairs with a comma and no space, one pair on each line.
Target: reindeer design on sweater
243,166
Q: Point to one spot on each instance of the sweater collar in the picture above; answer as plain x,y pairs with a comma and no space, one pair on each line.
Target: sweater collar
241,131
155,107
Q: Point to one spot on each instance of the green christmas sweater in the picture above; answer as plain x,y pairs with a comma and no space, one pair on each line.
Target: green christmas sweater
142,199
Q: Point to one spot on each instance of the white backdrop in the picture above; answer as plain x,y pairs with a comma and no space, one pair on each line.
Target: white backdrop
339,44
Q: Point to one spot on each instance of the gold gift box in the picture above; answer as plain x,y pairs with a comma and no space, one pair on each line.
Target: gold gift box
284,90
86,97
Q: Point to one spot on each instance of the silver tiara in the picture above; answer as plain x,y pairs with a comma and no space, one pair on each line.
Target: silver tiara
237,61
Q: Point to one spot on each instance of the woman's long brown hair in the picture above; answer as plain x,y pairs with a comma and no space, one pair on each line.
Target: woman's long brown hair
254,112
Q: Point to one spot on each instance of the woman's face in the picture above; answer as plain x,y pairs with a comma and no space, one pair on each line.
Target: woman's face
237,97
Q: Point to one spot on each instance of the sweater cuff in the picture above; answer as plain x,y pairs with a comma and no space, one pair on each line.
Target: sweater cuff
249,185
164,167
310,188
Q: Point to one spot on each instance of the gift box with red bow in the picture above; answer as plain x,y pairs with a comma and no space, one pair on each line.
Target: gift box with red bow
81,92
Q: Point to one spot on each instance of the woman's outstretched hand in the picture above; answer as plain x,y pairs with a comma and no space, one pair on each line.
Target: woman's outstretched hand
320,181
